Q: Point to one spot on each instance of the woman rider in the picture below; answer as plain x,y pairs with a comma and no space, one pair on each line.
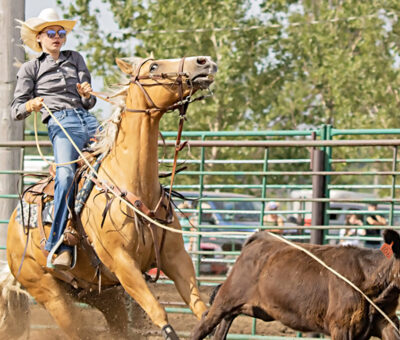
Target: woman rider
61,80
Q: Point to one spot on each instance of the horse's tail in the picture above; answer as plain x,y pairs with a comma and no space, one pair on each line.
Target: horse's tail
14,306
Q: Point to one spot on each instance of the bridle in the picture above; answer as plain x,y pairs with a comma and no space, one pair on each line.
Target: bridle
183,103
179,78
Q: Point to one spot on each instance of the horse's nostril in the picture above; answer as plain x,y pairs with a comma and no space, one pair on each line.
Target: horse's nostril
201,60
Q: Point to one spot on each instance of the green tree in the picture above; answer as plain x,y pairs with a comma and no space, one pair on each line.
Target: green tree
338,64
302,64
289,65
145,27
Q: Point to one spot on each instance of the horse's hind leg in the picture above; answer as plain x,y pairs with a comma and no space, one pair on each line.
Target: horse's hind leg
111,303
47,291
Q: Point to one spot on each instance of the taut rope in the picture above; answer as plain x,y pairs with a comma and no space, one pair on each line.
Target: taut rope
222,232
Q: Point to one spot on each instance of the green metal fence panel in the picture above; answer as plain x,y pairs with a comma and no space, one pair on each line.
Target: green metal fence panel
235,193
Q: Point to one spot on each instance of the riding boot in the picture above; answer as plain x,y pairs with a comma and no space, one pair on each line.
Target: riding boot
63,261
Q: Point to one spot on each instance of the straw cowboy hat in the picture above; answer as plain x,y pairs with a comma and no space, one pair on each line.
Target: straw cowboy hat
31,27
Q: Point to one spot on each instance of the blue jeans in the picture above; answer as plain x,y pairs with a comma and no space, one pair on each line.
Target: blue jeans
81,126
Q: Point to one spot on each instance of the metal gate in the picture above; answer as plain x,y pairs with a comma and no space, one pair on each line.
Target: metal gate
313,178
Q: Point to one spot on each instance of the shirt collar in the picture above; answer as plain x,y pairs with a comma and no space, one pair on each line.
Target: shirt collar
62,57
42,55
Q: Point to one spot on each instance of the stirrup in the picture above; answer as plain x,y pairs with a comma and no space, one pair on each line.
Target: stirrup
53,250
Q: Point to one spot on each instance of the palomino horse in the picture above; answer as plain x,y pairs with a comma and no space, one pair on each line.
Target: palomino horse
125,247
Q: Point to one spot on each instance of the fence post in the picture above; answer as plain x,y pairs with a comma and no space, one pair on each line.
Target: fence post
318,191
9,130
393,189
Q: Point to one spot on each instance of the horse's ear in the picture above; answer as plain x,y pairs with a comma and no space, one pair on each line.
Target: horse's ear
151,55
124,66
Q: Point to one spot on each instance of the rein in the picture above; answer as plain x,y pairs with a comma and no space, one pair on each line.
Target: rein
199,233
182,105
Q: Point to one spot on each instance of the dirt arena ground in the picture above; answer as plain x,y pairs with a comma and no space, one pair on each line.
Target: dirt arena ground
43,327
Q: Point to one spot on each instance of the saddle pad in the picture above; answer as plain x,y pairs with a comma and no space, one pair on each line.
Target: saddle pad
30,212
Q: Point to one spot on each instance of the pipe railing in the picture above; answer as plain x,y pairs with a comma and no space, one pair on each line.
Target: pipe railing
211,180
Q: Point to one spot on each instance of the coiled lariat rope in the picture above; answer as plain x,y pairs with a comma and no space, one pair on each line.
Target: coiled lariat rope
196,233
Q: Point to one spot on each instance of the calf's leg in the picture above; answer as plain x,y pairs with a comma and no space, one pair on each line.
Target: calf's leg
388,331
223,328
224,307
205,326
341,334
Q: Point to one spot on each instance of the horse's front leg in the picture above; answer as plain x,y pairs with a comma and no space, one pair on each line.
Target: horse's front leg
177,264
131,279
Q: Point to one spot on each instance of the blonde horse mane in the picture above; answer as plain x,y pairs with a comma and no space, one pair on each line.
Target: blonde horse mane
106,137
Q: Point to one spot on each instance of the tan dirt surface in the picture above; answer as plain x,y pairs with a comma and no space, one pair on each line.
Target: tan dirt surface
43,326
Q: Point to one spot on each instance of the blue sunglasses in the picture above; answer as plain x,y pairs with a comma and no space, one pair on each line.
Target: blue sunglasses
52,33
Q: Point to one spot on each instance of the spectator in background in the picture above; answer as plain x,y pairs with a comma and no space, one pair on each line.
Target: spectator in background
374,220
272,219
352,220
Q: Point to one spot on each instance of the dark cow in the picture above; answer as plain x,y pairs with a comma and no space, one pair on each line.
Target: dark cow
272,280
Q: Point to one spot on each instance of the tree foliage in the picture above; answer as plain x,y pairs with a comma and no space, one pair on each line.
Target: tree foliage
282,64
234,51
306,63
339,64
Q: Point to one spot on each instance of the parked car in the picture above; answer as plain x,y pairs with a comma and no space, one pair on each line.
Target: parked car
230,214
334,218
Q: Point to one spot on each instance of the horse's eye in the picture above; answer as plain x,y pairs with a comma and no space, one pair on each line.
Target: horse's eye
153,67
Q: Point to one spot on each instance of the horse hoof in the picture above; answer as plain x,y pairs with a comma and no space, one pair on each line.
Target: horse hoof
168,333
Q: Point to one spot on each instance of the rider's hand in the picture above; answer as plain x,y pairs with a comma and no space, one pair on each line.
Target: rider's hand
34,104
84,89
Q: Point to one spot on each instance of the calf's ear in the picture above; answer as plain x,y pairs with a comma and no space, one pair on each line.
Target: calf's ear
390,236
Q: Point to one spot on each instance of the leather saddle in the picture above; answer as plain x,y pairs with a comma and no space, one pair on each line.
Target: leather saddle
43,191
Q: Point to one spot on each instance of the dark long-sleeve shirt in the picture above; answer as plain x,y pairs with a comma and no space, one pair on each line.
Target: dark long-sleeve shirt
54,81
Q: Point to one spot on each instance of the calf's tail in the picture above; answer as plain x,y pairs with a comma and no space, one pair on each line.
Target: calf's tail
214,294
